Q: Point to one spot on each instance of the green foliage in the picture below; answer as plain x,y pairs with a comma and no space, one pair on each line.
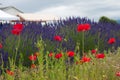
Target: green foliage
91,41
105,19
58,69
49,45
25,48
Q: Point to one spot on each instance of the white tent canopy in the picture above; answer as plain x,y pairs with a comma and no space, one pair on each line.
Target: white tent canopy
37,17
5,16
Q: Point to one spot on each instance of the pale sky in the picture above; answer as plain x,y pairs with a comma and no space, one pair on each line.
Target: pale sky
92,9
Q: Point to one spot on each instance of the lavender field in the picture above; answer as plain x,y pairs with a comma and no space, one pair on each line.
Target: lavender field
70,49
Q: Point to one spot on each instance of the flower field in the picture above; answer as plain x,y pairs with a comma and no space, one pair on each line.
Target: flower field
71,49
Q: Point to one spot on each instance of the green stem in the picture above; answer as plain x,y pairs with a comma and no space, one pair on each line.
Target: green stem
83,43
17,49
2,66
98,40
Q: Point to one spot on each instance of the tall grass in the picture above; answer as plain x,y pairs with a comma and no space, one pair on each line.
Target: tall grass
50,68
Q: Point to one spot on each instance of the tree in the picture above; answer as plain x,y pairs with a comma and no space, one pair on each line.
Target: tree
105,19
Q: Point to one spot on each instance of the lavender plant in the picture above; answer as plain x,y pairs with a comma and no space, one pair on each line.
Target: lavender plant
66,28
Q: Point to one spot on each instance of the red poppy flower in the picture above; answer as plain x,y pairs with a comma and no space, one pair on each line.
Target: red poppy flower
33,66
77,62
58,56
1,45
87,27
93,51
111,40
83,27
100,56
57,38
118,74
9,72
16,31
32,57
18,26
85,59
50,54
70,53
80,27
36,54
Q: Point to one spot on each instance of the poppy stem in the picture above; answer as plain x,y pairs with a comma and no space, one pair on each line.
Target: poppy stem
2,66
83,42
98,40
17,49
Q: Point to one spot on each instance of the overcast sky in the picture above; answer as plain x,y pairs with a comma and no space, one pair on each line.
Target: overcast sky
92,9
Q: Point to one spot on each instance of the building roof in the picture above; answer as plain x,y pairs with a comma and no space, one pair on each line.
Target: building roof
8,7
37,17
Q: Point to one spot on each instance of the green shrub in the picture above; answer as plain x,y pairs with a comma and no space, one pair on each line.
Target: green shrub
105,19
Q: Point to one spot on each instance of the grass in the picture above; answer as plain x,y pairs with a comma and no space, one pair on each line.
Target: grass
50,68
